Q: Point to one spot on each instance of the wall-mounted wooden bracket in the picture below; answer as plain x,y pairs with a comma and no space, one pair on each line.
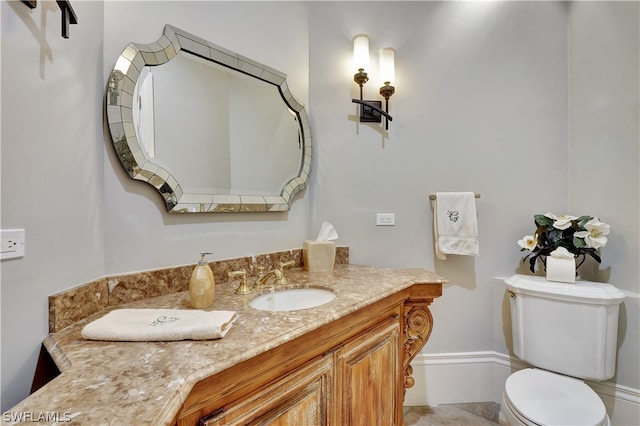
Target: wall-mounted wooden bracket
417,324
68,15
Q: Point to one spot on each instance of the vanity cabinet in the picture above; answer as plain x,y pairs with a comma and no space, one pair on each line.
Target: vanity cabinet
367,371
348,372
347,362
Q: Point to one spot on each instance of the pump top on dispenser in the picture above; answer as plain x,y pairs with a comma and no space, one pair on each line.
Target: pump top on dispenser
202,285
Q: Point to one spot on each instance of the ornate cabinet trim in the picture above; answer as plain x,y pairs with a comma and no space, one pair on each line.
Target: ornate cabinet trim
417,324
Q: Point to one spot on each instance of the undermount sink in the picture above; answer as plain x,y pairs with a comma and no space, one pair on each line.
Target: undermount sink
293,299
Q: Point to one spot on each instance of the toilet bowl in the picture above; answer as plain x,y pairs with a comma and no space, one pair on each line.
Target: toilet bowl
535,397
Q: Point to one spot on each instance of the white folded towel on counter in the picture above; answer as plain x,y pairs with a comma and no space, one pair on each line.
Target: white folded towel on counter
455,224
146,325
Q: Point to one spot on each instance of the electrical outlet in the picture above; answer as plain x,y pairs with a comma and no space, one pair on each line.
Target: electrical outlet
385,219
11,243
8,245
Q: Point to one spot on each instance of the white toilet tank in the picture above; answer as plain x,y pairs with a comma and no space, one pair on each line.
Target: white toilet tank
570,329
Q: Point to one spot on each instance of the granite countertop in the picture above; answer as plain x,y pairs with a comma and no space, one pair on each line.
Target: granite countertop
147,382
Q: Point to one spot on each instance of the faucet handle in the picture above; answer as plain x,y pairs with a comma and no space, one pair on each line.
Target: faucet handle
261,274
289,264
243,288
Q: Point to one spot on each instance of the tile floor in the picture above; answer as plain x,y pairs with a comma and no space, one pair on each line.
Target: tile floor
473,414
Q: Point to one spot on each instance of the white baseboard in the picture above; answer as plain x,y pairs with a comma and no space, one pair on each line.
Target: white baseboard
450,378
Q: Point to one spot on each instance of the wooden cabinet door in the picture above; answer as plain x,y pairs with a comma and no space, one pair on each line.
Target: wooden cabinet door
303,397
368,370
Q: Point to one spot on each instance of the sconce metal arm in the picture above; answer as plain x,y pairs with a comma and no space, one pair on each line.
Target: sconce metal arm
373,107
68,14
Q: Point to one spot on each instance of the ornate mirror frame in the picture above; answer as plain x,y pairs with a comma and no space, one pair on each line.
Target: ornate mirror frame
136,161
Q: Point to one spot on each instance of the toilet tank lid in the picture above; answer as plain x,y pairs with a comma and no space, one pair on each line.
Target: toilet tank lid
581,291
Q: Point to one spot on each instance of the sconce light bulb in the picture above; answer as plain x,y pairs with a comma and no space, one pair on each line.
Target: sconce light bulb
361,51
387,64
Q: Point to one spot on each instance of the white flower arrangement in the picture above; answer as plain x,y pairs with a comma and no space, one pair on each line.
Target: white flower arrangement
577,236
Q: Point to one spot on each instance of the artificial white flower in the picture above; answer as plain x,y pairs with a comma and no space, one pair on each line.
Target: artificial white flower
527,242
561,222
594,236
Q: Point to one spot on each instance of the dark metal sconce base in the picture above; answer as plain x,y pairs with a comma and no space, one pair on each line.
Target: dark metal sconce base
369,114
371,111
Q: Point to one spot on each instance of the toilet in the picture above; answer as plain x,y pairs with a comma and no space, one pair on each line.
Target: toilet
568,333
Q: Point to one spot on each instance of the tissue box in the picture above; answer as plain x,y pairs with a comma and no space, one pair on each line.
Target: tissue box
318,256
561,270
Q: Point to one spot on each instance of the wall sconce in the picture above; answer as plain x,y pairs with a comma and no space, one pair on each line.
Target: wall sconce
371,111
68,14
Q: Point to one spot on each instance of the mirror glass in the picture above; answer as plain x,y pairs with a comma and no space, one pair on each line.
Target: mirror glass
213,131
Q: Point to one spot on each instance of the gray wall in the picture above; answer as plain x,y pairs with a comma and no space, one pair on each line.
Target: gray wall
604,139
534,105
481,89
513,100
52,172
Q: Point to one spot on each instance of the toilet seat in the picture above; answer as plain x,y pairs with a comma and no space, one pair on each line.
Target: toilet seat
539,397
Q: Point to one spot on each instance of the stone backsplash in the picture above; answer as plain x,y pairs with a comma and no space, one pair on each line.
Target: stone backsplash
70,306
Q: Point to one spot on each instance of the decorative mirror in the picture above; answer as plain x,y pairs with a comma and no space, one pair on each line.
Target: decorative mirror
211,130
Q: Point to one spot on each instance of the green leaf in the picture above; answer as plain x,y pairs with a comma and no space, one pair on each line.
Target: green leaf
582,220
542,220
555,236
579,242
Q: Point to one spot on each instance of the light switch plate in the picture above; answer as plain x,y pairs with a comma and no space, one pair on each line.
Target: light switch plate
385,219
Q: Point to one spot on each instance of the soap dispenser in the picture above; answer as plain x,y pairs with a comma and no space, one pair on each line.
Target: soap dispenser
202,286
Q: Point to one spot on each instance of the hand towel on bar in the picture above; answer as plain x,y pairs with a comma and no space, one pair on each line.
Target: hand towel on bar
150,325
455,224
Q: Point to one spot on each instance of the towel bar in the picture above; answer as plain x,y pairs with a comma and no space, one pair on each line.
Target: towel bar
433,196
